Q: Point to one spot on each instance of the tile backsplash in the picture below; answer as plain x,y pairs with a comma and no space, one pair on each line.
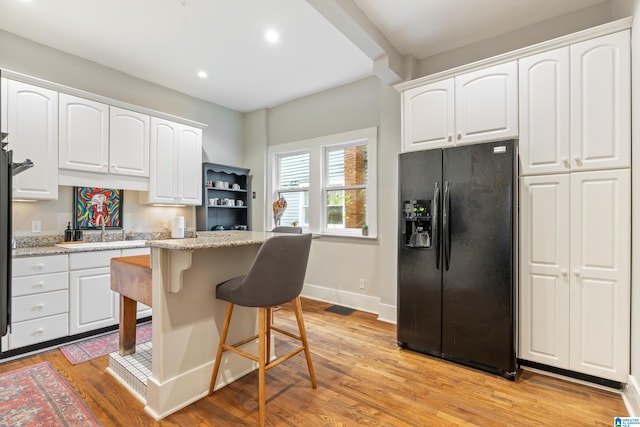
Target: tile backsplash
140,219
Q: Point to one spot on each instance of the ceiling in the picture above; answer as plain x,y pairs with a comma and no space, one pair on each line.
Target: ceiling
322,43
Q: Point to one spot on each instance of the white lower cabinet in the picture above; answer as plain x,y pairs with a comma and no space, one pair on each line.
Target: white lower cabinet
40,300
575,272
93,304
61,295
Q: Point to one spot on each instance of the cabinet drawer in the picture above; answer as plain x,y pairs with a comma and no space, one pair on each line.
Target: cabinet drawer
82,260
29,285
39,265
40,305
38,330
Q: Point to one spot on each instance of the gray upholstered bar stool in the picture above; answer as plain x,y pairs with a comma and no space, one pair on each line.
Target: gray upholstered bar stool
276,277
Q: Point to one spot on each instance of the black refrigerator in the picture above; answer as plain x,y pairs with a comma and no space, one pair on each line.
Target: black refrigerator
456,254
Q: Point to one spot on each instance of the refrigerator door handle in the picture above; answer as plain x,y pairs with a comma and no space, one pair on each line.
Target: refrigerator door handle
435,209
446,226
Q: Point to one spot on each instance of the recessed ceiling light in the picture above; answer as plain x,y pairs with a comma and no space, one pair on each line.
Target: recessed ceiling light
202,74
272,36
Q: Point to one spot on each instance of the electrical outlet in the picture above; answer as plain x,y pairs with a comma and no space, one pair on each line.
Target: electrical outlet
36,226
361,283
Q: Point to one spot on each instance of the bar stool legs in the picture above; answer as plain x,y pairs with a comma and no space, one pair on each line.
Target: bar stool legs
263,359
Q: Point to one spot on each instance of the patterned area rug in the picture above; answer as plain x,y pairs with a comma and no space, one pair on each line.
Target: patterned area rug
99,346
38,396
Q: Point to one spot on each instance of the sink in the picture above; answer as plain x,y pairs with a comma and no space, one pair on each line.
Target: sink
97,245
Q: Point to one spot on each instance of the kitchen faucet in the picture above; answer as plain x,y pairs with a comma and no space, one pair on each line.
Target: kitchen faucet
102,233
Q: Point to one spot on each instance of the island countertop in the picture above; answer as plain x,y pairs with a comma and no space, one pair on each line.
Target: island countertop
213,239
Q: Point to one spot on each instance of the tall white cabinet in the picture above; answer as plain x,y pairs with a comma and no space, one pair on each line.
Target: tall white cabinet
575,211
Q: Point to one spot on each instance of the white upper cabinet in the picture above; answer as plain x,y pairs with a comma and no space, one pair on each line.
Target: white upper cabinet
3,105
600,102
102,145
190,166
128,142
428,112
545,115
176,164
575,107
32,122
487,104
479,106
84,135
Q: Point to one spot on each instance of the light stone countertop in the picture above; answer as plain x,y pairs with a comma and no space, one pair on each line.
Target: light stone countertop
213,239
203,240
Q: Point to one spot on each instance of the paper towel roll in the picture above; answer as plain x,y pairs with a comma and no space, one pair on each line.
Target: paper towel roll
177,227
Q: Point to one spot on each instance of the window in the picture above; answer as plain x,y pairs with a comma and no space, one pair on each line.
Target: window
293,185
345,187
329,183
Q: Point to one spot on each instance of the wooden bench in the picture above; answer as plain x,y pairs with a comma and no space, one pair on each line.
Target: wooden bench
131,278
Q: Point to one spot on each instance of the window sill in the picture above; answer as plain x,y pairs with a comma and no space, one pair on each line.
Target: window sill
348,236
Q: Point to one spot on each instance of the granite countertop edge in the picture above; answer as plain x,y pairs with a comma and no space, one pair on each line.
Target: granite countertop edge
203,240
212,239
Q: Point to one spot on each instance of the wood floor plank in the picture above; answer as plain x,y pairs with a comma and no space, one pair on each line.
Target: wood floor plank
363,379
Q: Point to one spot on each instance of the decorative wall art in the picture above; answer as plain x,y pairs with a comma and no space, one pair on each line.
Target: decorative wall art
93,206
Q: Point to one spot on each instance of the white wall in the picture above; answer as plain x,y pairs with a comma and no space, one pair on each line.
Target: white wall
337,264
222,139
255,157
536,33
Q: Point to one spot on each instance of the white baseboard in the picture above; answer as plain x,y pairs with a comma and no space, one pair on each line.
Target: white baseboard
347,299
388,313
631,397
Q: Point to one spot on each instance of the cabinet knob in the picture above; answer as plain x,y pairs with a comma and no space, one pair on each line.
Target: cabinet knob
578,161
566,163
576,272
564,272
459,136
450,138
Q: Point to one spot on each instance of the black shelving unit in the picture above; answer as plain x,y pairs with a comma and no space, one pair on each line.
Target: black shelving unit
211,217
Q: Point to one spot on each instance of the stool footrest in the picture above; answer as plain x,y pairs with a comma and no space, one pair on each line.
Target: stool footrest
287,333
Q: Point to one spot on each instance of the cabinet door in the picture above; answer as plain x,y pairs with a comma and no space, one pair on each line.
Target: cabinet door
600,288
3,106
33,134
93,304
544,264
487,104
163,163
545,112
84,135
600,97
128,143
190,166
428,116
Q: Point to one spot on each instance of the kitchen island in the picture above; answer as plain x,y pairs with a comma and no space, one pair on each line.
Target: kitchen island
187,317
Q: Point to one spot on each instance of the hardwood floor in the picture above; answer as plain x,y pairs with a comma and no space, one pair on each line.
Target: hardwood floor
363,379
